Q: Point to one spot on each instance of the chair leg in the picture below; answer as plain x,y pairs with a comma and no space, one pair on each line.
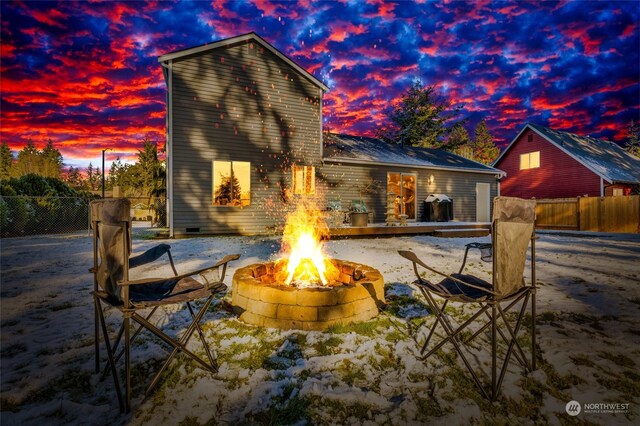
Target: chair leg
533,330
127,361
107,342
493,353
513,332
119,337
96,330
212,360
179,346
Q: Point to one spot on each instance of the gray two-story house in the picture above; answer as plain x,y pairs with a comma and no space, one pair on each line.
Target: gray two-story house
245,140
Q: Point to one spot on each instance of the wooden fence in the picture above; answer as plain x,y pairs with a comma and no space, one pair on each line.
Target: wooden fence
600,214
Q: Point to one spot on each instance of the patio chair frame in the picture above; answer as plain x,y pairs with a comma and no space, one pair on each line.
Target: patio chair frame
491,307
213,277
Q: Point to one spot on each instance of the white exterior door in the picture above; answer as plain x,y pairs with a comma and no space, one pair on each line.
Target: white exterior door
483,200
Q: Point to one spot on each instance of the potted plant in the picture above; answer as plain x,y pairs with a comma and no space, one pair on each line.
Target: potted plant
359,214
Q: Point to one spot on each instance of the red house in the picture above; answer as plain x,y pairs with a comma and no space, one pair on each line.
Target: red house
545,163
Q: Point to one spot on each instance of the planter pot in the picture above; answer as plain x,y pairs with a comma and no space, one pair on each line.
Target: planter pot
359,219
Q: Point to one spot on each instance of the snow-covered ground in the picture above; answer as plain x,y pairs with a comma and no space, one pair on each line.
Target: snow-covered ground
588,324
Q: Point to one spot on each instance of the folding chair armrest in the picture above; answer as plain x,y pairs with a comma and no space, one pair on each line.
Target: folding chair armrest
228,258
153,280
222,263
416,261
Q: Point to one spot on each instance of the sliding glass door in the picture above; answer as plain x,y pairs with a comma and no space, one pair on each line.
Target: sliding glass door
403,187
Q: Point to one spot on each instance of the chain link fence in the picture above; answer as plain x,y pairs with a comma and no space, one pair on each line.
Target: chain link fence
23,215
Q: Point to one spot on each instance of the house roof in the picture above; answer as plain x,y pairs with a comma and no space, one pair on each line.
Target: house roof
364,150
240,39
604,158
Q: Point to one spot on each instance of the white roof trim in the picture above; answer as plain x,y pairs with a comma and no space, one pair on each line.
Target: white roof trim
561,148
412,166
250,36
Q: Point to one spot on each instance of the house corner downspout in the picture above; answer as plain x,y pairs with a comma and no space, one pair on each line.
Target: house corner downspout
601,187
167,68
321,128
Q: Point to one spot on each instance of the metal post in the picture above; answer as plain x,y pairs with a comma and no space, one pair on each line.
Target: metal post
106,149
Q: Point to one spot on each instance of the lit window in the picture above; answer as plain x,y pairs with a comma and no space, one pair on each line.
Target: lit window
530,160
617,192
304,180
231,183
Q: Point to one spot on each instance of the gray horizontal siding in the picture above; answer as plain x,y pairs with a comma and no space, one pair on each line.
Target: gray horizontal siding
239,109
343,181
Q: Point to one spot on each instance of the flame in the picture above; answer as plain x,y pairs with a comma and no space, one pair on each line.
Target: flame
302,242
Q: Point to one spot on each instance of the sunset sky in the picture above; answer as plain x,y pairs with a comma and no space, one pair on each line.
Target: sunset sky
86,75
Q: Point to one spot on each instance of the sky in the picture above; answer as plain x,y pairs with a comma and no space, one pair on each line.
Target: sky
86,74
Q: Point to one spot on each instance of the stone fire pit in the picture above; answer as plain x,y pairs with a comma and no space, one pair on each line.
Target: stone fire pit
353,295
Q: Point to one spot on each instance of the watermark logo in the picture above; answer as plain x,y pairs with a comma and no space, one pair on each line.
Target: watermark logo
573,408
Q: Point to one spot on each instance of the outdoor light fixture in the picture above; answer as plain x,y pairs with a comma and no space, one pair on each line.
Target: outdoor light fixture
431,180
103,151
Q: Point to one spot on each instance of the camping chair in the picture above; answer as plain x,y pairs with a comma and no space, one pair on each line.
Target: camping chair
111,223
513,231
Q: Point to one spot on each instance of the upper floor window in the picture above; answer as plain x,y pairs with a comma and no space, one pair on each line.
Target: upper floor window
304,180
530,160
231,183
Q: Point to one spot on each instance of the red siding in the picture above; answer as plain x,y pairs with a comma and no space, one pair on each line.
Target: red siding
558,176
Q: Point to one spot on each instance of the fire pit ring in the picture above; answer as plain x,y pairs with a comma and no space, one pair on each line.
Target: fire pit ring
354,296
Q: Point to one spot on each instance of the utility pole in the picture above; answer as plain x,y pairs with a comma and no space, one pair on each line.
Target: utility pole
103,151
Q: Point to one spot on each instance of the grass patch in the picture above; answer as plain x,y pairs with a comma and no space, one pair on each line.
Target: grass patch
288,408
582,360
61,307
368,329
340,412
626,384
13,350
547,317
8,404
75,383
397,303
618,359
351,373
385,360
429,407
328,346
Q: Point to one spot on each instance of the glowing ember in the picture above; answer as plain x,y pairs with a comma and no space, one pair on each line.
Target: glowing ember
302,242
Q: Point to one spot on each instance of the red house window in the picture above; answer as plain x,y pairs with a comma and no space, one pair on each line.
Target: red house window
530,160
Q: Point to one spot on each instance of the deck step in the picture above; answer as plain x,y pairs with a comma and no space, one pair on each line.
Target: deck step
461,233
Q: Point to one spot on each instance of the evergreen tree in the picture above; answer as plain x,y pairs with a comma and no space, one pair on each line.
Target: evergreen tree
633,138
51,161
74,178
422,118
28,160
116,172
459,141
484,149
228,192
92,178
6,161
149,171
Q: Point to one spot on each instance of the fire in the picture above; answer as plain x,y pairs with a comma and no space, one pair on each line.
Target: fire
302,241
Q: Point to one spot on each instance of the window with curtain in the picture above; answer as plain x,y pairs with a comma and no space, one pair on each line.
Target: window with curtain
304,180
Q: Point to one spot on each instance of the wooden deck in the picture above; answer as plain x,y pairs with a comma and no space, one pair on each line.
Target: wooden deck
439,229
